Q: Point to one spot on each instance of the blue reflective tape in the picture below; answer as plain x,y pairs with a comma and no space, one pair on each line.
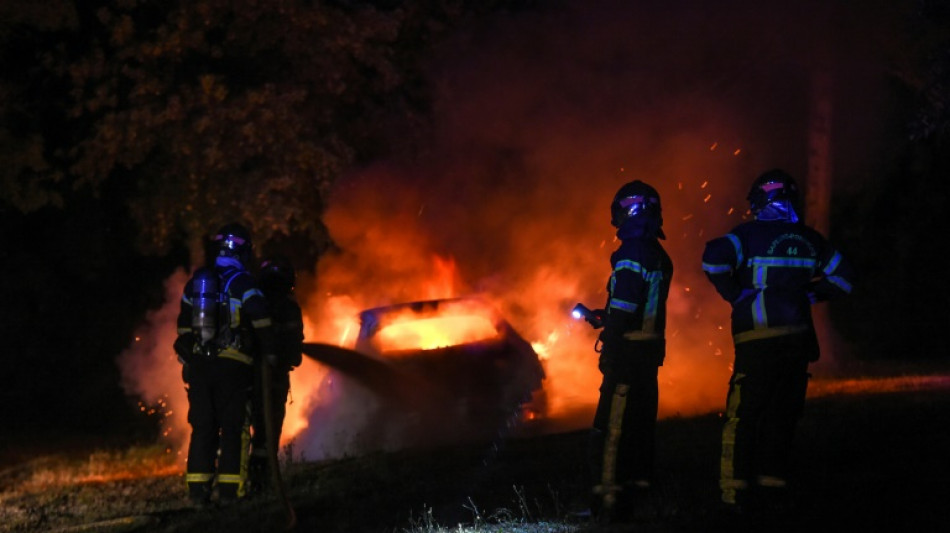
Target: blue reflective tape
250,293
792,262
622,305
840,282
737,246
758,276
759,316
653,300
716,269
627,264
833,263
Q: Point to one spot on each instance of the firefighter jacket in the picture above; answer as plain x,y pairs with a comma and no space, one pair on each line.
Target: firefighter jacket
248,330
287,320
639,284
771,272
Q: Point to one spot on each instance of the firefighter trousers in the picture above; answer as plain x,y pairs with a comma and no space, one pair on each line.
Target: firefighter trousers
258,471
622,441
218,412
766,397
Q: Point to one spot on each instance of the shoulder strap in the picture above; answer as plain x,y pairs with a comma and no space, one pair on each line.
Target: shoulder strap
227,276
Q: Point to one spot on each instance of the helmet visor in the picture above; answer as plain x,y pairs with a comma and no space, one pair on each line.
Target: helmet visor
771,187
231,242
634,205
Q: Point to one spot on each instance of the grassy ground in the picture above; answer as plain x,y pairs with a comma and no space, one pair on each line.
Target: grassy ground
867,462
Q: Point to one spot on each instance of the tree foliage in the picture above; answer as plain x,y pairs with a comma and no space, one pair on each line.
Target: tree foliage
207,111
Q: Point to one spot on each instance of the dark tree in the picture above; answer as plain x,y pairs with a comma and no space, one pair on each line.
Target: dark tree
205,111
130,129
897,230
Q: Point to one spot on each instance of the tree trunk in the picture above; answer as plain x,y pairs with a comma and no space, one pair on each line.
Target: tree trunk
818,185
818,181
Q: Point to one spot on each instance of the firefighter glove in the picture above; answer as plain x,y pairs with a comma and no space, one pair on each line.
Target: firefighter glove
814,295
185,347
745,296
597,318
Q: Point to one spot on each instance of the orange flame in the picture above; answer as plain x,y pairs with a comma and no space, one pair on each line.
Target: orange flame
448,329
391,251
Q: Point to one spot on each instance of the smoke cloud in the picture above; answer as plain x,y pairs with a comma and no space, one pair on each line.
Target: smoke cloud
151,371
539,118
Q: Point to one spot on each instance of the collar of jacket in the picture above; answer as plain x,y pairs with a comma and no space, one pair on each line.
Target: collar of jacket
634,228
223,261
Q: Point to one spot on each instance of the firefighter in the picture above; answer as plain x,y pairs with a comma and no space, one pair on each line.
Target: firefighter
277,279
633,347
770,270
223,321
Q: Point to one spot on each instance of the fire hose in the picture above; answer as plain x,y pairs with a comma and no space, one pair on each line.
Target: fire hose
272,444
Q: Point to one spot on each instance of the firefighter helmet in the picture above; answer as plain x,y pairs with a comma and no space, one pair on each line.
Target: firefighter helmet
233,240
277,274
776,185
640,201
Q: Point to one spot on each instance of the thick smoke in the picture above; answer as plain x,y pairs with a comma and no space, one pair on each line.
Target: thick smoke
539,118
150,368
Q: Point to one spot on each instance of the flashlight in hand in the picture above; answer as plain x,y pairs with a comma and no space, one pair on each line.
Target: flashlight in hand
594,318
580,311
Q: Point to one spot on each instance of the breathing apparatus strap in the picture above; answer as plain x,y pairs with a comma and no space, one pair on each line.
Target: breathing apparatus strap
229,340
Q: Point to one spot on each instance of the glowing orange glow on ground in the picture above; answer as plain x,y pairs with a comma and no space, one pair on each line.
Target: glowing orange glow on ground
101,467
155,462
827,387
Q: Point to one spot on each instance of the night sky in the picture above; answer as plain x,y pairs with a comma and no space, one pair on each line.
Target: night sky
536,115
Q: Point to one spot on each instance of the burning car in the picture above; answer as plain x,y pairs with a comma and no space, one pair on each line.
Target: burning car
448,369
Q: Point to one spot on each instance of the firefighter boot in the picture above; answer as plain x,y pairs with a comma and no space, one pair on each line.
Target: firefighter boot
773,497
199,494
603,505
227,494
634,502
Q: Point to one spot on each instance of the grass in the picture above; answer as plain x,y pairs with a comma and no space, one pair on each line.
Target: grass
874,461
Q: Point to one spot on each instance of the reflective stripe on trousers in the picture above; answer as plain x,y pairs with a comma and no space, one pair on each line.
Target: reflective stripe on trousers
608,484
727,482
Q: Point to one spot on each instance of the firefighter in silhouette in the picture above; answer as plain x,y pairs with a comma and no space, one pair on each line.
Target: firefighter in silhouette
770,270
633,347
276,279
222,323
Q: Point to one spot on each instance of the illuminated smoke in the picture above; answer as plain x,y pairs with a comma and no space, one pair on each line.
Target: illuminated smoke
534,260
540,118
151,371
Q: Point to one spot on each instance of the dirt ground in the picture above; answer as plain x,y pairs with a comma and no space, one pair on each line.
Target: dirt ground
867,462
